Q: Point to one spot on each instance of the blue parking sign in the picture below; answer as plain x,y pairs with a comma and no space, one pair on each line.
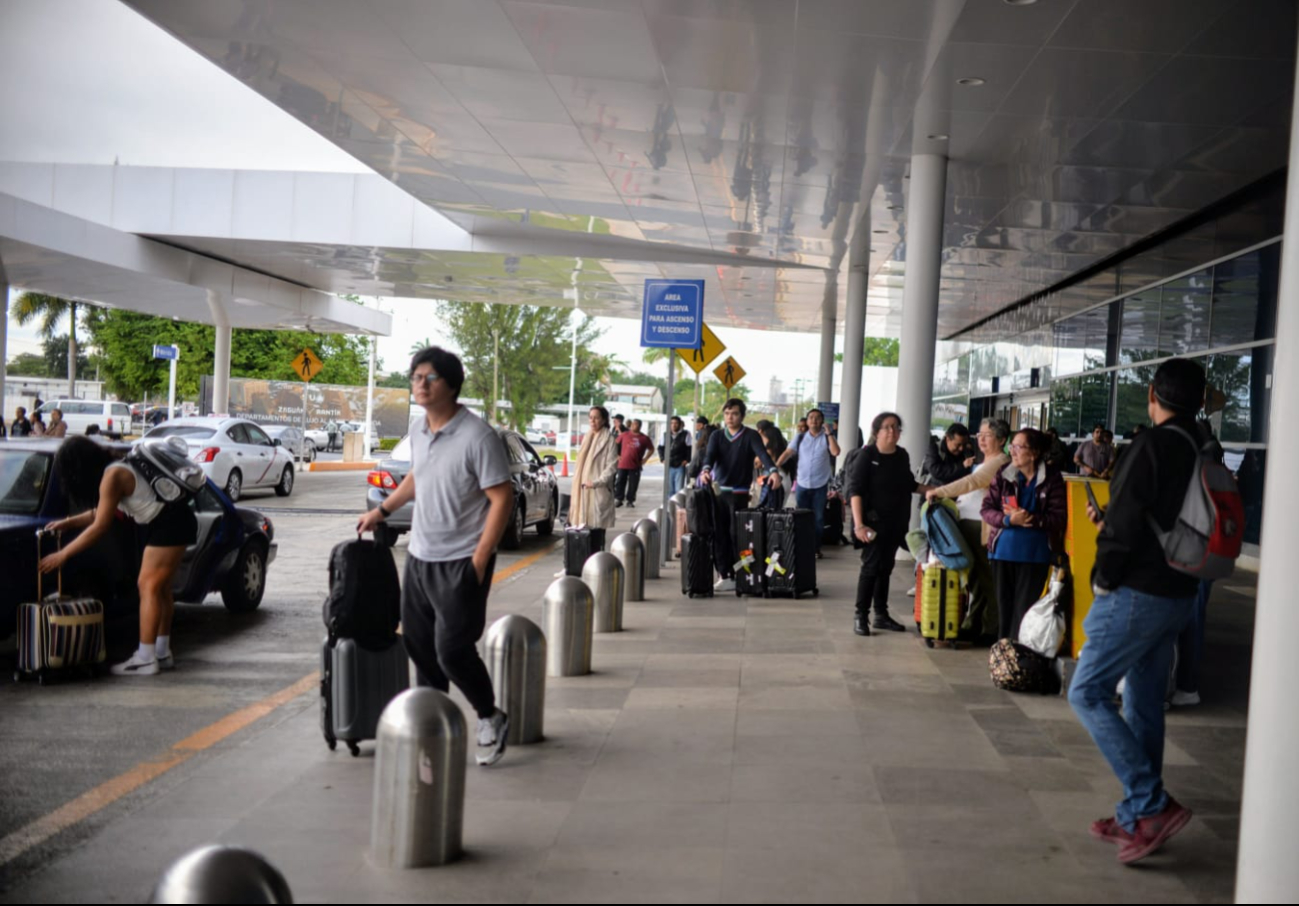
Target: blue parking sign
673,314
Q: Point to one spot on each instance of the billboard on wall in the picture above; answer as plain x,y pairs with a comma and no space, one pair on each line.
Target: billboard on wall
280,402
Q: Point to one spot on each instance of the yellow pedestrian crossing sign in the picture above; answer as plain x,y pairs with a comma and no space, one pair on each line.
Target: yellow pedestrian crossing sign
709,349
729,372
306,364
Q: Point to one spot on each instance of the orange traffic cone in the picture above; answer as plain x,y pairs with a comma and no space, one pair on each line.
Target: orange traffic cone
564,474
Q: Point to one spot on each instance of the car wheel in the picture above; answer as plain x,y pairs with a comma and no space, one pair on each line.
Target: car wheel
310,452
385,536
246,582
514,531
234,485
285,487
547,525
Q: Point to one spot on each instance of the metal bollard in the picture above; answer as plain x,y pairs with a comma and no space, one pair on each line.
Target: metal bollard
604,575
631,551
647,530
221,874
516,660
567,613
419,781
662,517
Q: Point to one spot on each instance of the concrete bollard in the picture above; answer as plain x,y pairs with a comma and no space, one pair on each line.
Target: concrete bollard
647,530
419,781
568,616
221,874
631,551
604,575
667,531
516,660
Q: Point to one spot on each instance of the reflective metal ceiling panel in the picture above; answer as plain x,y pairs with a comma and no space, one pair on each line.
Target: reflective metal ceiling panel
771,129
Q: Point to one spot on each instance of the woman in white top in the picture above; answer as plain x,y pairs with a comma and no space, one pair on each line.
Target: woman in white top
90,473
981,619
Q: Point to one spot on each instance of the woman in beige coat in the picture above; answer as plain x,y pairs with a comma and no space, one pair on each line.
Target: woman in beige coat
981,619
597,466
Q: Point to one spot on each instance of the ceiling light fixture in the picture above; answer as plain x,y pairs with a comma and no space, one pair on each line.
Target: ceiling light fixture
972,81
895,207
880,232
939,137
1019,2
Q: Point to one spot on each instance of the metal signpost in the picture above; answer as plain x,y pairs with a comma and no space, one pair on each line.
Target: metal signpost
172,354
672,318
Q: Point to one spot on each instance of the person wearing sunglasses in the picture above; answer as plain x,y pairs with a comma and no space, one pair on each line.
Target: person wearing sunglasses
1026,509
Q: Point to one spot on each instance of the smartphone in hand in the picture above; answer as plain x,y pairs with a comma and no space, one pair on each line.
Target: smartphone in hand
1091,498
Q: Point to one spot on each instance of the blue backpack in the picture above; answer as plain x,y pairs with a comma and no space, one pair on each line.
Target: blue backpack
945,538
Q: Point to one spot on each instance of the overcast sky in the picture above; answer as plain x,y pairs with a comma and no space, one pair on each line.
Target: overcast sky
90,81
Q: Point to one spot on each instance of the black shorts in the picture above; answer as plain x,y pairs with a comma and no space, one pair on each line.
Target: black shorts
175,526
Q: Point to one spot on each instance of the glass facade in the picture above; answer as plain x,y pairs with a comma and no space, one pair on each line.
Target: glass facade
1095,361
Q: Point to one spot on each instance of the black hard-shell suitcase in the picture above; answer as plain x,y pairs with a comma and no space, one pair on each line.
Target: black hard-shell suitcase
751,549
356,684
791,553
701,511
580,543
696,566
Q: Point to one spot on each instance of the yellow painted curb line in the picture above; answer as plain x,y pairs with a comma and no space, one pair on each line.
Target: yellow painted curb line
340,466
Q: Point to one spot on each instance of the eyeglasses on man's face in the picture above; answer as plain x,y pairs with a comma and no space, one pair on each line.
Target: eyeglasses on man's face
426,379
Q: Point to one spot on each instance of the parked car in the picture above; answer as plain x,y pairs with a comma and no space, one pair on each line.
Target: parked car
235,545
114,419
235,454
536,438
291,439
536,490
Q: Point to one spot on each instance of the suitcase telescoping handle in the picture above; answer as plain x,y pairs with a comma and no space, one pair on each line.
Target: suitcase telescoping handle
58,541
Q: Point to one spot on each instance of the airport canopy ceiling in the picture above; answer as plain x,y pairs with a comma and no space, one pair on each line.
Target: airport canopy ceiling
753,141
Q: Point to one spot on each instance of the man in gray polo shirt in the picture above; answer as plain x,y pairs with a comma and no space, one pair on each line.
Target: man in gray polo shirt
460,482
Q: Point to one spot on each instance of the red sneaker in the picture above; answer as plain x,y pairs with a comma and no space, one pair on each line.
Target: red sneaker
1153,832
1109,830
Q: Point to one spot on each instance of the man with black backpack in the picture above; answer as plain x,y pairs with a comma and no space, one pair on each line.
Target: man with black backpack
460,482
1141,605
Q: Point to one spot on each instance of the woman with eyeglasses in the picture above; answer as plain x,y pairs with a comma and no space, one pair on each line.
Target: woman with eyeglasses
968,492
881,489
1027,510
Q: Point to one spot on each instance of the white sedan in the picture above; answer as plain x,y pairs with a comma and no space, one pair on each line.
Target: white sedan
235,454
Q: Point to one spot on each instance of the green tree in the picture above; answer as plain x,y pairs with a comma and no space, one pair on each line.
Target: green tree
50,312
29,364
515,352
125,340
877,351
54,350
397,379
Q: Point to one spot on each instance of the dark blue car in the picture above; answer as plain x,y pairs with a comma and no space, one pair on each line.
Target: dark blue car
234,547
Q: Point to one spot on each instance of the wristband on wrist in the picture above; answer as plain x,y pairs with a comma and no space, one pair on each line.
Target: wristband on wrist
385,513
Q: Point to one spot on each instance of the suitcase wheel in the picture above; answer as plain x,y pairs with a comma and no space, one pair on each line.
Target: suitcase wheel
929,643
331,742
354,749
816,592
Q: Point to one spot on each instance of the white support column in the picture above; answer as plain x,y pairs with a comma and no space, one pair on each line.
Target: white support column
1266,869
925,205
221,357
4,345
829,318
854,342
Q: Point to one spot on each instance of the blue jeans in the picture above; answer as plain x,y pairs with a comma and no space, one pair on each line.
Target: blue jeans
1129,633
813,499
677,476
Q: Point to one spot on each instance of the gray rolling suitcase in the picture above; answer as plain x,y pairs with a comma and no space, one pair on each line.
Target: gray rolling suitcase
356,684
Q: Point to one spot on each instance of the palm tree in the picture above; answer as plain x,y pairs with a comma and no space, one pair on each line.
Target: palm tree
420,345
51,310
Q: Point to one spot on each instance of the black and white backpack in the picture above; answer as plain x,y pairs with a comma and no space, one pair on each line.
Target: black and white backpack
166,466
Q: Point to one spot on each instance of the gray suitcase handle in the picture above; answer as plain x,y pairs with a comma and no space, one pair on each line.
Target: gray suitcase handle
58,540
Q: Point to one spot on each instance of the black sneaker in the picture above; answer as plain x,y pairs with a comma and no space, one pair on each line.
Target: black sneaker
618,504
884,621
860,626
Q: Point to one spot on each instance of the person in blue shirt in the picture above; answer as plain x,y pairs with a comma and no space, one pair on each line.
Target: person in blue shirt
1027,509
817,451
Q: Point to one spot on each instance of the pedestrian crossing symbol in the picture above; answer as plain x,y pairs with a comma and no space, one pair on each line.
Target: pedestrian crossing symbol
729,372
709,348
306,364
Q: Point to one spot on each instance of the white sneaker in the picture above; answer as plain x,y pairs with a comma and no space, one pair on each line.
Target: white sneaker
724,585
135,667
492,733
1182,699
167,661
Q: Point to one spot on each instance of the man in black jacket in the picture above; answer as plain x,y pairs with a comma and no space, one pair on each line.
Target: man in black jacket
728,464
678,453
1141,605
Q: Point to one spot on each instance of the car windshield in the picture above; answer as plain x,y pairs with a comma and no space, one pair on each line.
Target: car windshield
195,431
23,479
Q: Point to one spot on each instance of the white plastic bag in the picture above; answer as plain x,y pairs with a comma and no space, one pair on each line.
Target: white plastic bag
1043,627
